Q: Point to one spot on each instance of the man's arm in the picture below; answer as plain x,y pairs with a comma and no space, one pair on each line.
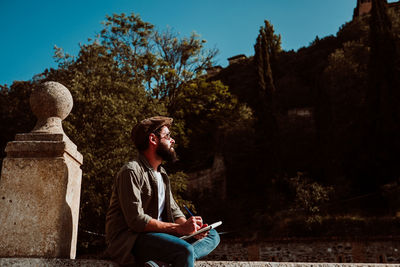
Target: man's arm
182,220
179,228
129,196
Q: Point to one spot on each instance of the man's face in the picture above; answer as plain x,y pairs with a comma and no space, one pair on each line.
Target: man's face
165,148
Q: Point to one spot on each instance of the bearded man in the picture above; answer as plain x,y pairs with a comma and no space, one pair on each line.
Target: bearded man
143,222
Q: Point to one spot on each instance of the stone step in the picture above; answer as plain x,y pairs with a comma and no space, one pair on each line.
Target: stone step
34,262
287,264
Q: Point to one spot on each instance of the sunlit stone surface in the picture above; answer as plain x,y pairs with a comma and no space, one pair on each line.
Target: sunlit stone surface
41,183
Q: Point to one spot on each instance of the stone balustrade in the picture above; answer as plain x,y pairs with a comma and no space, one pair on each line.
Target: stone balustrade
41,183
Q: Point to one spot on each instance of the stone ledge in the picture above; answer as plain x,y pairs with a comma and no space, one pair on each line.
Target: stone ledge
42,262
287,264
34,262
42,149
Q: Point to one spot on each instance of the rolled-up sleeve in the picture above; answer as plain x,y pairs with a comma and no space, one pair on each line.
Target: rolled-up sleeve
130,200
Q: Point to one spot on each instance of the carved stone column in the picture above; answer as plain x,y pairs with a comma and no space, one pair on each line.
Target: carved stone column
41,183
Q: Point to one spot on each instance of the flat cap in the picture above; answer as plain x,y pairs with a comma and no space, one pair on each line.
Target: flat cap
141,131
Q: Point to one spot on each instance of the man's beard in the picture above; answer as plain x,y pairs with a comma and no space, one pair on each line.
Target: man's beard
166,153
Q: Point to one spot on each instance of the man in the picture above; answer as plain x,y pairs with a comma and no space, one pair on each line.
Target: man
144,223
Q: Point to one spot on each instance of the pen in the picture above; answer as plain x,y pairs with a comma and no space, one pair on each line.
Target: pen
191,214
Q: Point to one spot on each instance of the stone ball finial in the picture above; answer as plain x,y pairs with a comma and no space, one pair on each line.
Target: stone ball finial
51,103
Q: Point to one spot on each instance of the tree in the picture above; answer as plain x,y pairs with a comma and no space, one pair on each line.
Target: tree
383,95
15,114
117,80
183,60
203,110
266,49
107,103
340,110
159,61
309,197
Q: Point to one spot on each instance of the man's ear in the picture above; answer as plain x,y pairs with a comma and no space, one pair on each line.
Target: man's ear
153,139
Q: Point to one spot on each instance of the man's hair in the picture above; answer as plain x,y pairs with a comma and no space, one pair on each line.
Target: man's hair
141,131
144,145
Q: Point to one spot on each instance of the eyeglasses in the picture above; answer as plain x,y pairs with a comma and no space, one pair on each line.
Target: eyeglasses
166,137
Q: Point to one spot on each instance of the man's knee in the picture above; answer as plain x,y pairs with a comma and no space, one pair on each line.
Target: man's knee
184,254
214,236
187,250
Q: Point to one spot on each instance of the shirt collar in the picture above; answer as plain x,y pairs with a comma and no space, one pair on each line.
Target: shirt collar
144,161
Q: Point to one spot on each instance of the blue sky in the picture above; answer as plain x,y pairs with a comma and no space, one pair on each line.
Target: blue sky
30,28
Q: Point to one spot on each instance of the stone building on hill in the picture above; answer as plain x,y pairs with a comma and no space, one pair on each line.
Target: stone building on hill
236,59
364,7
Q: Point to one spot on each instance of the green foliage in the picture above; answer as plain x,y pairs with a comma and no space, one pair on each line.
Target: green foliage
117,80
382,116
160,61
15,114
131,71
205,109
330,78
345,82
106,105
273,40
355,30
179,186
183,60
266,49
309,196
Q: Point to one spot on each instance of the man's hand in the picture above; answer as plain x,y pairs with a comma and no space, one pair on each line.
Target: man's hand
180,227
192,225
202,235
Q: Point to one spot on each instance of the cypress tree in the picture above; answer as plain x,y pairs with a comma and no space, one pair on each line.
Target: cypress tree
266,49
383,95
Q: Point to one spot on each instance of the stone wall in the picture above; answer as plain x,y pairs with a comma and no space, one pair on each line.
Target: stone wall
374,250
209,181
364,7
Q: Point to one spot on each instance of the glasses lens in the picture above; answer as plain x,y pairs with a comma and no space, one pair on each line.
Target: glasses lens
167,136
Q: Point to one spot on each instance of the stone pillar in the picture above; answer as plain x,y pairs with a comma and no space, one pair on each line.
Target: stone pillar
41,183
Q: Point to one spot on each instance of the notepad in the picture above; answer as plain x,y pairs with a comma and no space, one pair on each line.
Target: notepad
202,230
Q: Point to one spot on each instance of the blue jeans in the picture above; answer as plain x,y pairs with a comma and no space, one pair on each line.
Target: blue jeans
171,249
